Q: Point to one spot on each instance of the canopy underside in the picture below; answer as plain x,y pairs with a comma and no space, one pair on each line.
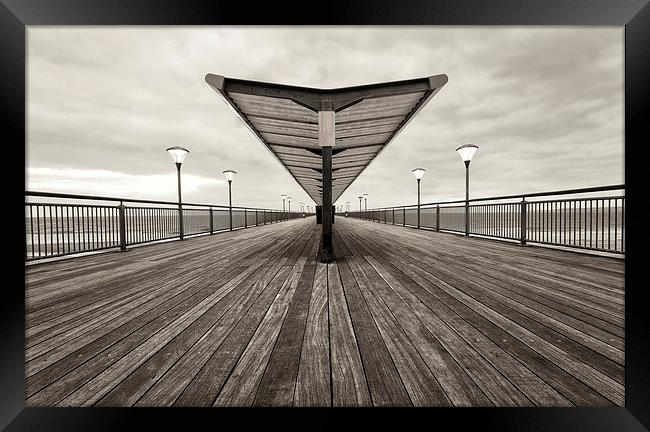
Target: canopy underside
285,119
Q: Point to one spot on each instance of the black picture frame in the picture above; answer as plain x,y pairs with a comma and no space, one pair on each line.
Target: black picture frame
15,15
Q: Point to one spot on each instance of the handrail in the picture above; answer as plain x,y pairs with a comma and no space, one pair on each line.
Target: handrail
132,200
88,223
503,197
578,221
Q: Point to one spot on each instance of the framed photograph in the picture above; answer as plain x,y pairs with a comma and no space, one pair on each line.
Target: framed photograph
424,206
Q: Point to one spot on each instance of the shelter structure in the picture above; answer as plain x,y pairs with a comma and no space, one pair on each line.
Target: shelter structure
325,138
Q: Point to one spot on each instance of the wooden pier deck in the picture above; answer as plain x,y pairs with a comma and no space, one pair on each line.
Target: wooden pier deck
402,317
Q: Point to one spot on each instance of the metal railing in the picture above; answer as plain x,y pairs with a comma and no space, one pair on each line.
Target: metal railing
592,218
84,223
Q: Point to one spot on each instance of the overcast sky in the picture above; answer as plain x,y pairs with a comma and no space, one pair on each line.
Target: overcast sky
544,105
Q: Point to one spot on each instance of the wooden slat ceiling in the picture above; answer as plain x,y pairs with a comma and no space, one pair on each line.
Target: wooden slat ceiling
285,119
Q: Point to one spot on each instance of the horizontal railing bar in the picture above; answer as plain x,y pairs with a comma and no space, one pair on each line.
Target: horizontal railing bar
131,200
503,197
77,205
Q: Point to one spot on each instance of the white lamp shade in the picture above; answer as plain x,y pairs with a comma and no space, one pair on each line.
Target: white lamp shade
466,151
365,196
418,172
230,174
283,196
178,153
289,199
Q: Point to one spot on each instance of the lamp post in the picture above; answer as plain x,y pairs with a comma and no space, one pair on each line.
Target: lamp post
360,198
466,152
365,198
289,201
229,176
178,156
418,173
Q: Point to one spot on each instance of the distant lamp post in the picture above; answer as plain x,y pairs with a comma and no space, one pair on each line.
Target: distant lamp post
365,197
418,173
466,153
229,174
289,201
360,198
178,155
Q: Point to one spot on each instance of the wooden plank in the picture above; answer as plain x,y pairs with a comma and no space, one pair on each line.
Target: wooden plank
448,306
349,386
421,385
241,386
390,323
278,382
206,385
169,288
189,350
313,380
494,375
50,385
204,358
197,320
384,382
602,357
580,369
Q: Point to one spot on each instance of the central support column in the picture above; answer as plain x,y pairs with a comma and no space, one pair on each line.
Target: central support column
326,121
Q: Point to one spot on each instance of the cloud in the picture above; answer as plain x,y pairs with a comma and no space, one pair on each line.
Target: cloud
545,105
110,183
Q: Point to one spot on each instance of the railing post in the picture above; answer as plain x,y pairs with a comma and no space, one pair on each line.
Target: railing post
122,217
256,220
438,217
245,219
211,222
403,216
522,225
393,216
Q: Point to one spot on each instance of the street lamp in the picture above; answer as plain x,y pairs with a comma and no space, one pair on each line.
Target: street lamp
466,152
229,174
289,201
284,213
418,173
365,197
360,198
178,156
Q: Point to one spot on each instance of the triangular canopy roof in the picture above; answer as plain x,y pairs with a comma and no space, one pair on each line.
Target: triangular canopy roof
285,119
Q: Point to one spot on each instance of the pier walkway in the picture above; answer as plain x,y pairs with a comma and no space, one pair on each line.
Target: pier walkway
401,317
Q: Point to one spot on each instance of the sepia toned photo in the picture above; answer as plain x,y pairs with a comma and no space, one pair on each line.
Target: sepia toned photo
325,216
